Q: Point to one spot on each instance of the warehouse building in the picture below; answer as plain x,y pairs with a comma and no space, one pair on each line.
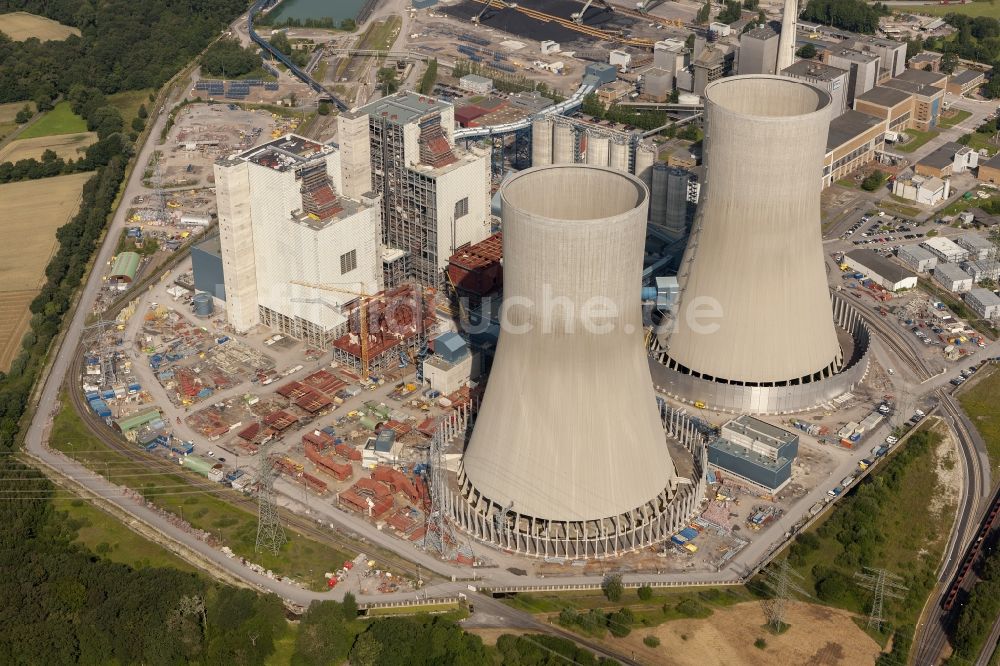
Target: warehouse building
917,258
952,278
946,249
979,248
124,269
883,272
985,303
755,451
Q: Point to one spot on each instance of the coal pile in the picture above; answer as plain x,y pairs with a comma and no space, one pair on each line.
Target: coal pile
515,23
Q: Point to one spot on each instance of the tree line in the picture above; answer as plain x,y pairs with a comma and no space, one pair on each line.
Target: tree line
851,15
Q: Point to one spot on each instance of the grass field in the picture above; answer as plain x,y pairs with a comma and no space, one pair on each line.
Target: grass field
301,558
20,26
128,103
67,146
30,211
956,116
105,535
969,8
981,403
60,120
917,139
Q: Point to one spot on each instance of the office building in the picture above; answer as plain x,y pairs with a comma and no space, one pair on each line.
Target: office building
927,90
965,82
946,249
435,196
984,302
918,258
979,248
952,278
755,451
852,141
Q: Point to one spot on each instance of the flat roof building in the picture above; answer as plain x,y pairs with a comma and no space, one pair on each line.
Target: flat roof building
985,303
928,91
952,278
862,67
885,273
940,162
476,84
978,247
892,105
925,190
989,171
983,269
966,81
755,451
926,60
917,258
852,142
832,79
758,51
946,249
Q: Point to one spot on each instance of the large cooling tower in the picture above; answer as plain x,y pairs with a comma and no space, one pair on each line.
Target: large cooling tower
756,253
569,430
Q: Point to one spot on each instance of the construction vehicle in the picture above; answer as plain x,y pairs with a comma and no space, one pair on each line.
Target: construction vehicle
578,16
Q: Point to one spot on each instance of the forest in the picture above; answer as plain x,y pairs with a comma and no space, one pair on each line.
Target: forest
852,15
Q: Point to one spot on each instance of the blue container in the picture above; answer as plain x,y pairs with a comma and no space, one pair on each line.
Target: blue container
109,394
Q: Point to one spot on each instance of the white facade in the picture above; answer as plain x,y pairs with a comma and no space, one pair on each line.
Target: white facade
984,302
922,189
952,278
946,249
447,377
476,84
269,241
620,59
965,158
917,258
979,248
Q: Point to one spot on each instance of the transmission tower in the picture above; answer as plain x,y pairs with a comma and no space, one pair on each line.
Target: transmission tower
438,535
883,584
783,581
159,195
270,533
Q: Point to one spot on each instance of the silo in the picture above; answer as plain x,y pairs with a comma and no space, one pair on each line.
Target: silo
203,305
598,146
658,196
619,154
568,442
757,258
645,156
564,143
541,141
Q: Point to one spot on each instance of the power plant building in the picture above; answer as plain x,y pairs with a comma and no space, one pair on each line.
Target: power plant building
853,141
758,51
755,451
568,455
756,330
831,79
283,218
435,197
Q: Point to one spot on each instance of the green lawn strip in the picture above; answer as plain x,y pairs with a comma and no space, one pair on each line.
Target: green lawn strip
105,535
875,526
950,121
969,8
284,647
917,139
60,120
981,141
415,610
128,103
301,558
980,402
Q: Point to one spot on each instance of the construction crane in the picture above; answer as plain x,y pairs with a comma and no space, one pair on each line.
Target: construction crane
645,5
578,16
498,4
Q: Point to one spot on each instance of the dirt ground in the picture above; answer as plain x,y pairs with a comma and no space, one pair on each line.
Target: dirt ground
8,112
66,146
30,211
816,635
19,26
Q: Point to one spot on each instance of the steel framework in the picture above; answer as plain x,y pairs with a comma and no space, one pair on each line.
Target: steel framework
270,533
883,584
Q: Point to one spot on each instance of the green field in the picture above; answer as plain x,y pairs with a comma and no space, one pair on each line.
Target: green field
981,140
874,526
970,8
301,558
105,535
957,117
981,404
128,103
917,139
284,647
60,120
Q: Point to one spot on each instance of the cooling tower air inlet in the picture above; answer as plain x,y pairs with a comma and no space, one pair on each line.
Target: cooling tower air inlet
569,437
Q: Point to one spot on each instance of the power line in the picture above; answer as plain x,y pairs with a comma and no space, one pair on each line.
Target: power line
270,533
883,584
783,581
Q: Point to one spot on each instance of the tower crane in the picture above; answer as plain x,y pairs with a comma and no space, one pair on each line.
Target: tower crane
645,5
578,16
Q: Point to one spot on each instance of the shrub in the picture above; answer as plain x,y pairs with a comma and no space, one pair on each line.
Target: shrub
645,592
651,641
612,587
760,644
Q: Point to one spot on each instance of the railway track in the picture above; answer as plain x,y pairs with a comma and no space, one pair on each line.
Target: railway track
891,337
99,429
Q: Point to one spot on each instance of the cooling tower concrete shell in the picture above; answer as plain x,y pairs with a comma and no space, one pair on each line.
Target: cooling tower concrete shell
598,148
618,158
569,428
564,143
645,157
756,256
541,142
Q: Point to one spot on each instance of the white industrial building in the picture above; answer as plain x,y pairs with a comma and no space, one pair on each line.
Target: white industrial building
917,258
946,249
283,219
979,248
474,83
926,190
952,278
985,303
435,196
887,274
451,366
982,269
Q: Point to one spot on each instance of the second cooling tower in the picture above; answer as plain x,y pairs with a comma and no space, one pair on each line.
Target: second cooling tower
569,438
755,309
